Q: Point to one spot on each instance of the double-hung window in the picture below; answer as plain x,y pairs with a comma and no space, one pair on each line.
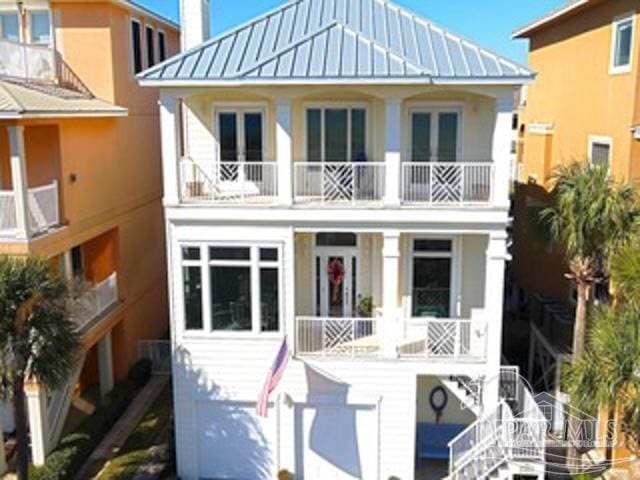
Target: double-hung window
622,44
151,48
600,151
243,293
162,46
136,47
336,134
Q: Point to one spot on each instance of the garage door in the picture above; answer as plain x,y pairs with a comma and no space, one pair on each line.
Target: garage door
233,442
336,442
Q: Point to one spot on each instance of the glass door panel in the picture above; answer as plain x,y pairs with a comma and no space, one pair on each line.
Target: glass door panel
431,292
447,137
253,137
228,128
336,137
420,137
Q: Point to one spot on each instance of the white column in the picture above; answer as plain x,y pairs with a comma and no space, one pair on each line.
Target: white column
68,265
38,422
392,156
289,314
194,20
284,151
170,128
19,180
390,291
3,455
501,149
496,257
105,364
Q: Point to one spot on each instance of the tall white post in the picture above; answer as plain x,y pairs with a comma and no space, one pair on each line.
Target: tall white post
38,422
496,257
501,150
290,288
284,151
68,265
392,156
19,180
170,128
390,291
194,20
3,455
105,364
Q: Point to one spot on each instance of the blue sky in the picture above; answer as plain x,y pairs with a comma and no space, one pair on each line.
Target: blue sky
488,22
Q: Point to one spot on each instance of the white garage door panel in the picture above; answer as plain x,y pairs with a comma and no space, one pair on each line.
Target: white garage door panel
337,442
234,443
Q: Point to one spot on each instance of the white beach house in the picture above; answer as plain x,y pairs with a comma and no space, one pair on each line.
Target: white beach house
336,172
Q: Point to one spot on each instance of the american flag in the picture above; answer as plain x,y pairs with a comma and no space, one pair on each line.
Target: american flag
273,378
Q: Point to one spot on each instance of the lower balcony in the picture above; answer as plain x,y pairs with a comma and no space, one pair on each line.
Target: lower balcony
431,339
42,206
94,302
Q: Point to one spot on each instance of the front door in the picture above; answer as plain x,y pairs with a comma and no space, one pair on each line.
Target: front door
336,283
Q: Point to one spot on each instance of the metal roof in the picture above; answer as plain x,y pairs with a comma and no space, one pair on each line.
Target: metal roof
337,40
28,100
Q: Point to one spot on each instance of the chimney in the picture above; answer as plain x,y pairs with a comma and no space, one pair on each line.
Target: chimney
194,22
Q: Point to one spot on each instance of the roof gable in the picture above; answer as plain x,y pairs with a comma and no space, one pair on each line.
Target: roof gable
314,40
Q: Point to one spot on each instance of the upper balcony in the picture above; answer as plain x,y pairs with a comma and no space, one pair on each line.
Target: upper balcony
444,149
32,62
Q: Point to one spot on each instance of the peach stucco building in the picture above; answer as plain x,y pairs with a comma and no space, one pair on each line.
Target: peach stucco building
80,175
584,105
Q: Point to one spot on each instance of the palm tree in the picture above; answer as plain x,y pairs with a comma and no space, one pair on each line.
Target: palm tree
38,342
590,217
607,374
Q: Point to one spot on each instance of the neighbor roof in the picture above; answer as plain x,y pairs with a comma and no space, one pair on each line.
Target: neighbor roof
27,100
335,41
567,8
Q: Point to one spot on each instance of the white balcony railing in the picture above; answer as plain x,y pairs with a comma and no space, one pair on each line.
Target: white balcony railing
95,302
431,339
346,183
44,212
32,62
435,338
440,183
229,182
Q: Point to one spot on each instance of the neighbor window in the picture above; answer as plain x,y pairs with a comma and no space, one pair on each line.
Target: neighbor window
10,26
40,27
336,134
622,43
431,270
600,151
151,50
244,286
162,47
136,46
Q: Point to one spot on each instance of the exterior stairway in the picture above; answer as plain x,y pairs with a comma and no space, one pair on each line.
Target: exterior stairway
506,441
60,402
467,390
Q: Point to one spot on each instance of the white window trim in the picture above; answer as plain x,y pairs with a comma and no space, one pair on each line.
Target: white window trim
254,264
617,70
335,104
600,139
433,107
132,67
240,108
455,301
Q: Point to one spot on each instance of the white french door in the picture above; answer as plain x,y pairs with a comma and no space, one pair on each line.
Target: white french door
336,282
435,135
240,135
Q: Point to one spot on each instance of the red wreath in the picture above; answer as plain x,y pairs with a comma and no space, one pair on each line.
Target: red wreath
335,270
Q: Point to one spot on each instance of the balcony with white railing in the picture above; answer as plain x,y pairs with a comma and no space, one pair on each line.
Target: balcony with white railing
27,61
426,339
447,183
339,183
229,182
95,302
42,206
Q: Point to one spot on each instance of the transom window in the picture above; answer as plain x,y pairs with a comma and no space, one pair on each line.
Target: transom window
10,26
431,282
243,293
622,44
336,134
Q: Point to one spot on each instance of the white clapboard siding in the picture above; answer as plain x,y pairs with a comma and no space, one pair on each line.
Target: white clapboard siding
200,142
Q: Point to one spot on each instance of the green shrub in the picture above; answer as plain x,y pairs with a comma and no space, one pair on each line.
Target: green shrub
75,448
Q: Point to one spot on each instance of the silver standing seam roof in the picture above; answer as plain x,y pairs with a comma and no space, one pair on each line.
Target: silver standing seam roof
313,41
